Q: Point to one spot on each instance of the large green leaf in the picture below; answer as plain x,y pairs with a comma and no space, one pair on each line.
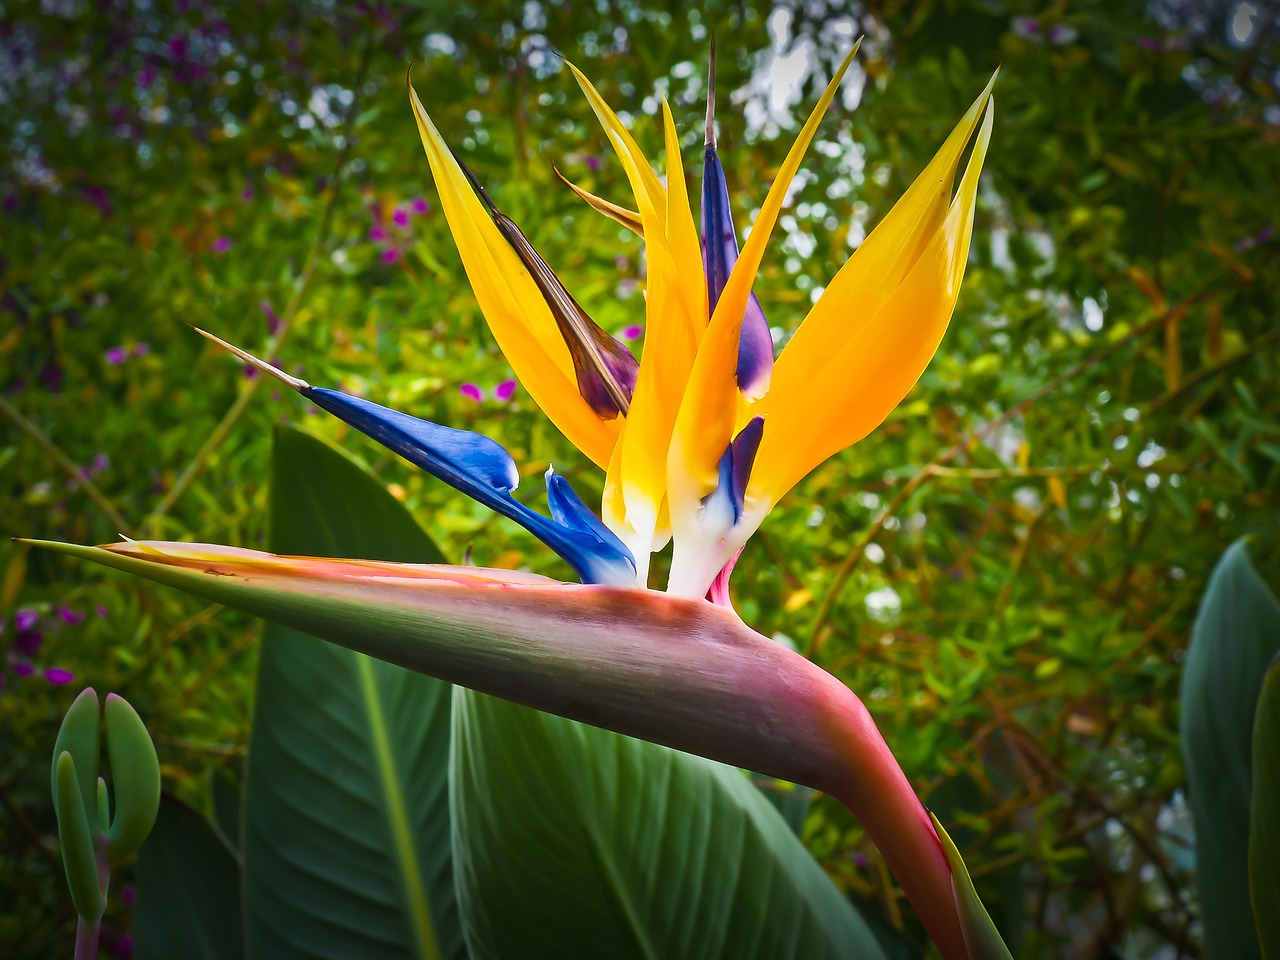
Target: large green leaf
1264,833
1236,635
571,841
188,890
346,832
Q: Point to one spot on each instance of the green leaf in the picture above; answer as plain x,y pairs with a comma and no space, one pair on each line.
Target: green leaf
135,773
576,842
188,890
1264,831
346,832
81,736
78,858
1236,635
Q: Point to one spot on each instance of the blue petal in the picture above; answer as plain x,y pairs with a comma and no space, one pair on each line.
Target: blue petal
735,466
719,254
480,468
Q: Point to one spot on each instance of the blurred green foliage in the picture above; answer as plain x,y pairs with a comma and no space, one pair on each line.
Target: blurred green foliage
1006,571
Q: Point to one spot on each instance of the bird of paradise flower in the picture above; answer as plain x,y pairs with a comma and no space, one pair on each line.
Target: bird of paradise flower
698,440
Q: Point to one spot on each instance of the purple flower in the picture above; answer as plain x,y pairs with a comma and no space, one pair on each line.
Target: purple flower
25,620
400,218
141,349
594,163
420,207
377,233
246,194
471,391
59,677
222,245
178,48
250,371
101,611
273,322
146,77
23,669
390,255
504,391
633,332
100,462
116,356
28,642
1026,27
72,618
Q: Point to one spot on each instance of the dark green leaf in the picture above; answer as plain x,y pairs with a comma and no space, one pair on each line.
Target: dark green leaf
188,890
576,842
346,816
1236,634
1264,832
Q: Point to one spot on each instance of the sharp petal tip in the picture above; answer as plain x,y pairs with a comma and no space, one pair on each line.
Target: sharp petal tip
249,358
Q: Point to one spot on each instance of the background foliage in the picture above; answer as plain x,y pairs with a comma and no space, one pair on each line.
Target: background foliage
1007,571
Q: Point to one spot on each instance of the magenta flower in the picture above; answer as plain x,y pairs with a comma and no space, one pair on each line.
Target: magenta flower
222,245
72,618
377,233
471,391
116,355
420,207
273,321
25,620
400,218
390,255
633,332
59,677
504,391
141,349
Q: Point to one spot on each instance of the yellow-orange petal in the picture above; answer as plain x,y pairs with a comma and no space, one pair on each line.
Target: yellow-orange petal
512,305
871,372
867,279
676,310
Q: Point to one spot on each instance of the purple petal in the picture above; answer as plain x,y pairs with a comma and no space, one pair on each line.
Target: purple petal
141,349
377,232
101,611
25,619
390,255
400,218
116,356
471,391
504,391
633,332
420,207
59,677
23,669
100,462
222,245
1026,27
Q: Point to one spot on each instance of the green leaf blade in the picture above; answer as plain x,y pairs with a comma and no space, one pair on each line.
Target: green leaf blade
1264,829
1237,633
574,841
346,827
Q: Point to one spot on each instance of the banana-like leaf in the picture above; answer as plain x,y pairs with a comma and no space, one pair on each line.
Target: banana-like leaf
1236,635
1264,832
346,829
571,841
188,890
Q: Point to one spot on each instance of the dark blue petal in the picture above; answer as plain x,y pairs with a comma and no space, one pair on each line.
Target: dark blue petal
466,461
480,468
735,466
719,254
